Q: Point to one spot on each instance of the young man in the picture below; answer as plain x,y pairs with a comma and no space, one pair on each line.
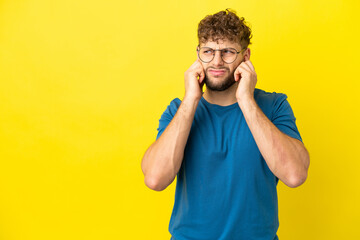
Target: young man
228,146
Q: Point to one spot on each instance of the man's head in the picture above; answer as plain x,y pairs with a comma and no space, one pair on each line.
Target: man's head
222,30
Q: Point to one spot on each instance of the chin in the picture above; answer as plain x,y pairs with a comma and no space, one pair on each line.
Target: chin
219,84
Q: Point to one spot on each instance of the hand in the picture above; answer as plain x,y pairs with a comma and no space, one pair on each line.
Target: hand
193,85
246,76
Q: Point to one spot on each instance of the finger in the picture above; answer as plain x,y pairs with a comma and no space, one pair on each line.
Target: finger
198,65
200,71
193,66
250,65
240,71
237,74
246,66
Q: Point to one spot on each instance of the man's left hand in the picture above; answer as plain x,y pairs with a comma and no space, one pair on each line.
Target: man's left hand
246,76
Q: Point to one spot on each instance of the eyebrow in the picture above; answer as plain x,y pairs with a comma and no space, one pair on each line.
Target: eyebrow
224,48
219,48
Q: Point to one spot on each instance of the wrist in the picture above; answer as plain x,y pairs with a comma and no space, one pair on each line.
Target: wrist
188,106
246,103
192,99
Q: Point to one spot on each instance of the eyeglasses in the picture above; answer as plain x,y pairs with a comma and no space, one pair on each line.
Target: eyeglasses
228,55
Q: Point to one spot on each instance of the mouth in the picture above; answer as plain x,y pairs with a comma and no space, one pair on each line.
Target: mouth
217,72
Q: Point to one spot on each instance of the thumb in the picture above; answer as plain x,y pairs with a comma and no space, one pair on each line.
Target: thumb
237,75
201,76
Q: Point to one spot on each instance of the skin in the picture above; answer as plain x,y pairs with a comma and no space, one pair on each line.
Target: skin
286,157
228,96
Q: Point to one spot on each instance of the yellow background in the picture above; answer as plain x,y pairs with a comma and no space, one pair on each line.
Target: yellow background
84,83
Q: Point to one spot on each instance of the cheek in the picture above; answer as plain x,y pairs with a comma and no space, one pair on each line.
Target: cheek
205,66
232,69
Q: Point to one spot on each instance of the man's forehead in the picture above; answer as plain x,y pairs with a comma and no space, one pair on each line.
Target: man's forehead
220,43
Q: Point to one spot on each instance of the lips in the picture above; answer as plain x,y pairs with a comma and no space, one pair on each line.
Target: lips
217,72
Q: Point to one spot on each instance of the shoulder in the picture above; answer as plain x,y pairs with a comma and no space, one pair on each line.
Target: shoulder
265,97
173,106
269,102
268,98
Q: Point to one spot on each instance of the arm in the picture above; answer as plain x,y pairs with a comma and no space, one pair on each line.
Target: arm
285,156
162,160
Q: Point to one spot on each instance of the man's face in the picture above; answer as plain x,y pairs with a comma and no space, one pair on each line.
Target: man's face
219,75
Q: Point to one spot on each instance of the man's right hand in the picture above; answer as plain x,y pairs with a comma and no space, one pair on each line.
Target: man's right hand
194,83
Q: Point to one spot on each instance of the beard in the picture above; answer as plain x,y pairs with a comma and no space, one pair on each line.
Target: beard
221,86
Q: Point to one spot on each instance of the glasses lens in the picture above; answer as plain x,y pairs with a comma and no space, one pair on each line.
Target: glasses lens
228,55
206,54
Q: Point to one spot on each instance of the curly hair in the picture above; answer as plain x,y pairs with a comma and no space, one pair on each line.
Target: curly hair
224,25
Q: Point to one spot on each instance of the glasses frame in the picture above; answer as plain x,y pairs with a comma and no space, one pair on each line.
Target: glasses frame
198,48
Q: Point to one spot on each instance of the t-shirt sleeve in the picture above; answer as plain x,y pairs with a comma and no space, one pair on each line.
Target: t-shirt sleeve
168,115
283,117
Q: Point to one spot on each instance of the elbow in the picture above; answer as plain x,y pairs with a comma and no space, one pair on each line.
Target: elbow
156,177
154,184
299,175
297,180
153,181
150,181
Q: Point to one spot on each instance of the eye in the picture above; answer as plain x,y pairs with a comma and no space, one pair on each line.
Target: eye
208,51
228,51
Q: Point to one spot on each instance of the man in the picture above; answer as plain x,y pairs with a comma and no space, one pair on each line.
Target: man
228,146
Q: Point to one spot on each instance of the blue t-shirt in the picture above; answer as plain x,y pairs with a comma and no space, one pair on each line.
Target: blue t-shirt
225,190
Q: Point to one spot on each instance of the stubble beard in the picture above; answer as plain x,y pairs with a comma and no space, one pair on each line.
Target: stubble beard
221,86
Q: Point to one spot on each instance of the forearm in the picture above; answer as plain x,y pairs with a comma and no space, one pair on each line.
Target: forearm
162,160
286,157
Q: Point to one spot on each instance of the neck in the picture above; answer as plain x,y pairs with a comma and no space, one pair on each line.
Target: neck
222,98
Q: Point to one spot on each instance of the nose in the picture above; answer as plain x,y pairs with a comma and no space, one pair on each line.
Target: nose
217,61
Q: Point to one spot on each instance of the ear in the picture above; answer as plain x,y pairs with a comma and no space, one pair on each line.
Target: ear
247,54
